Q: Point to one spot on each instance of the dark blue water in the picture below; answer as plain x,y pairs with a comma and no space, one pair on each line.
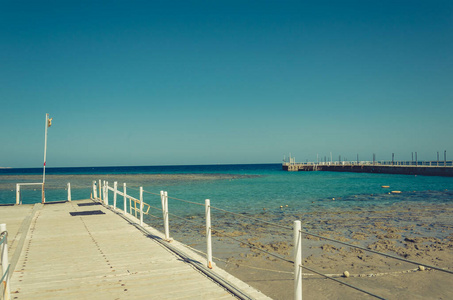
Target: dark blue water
144,169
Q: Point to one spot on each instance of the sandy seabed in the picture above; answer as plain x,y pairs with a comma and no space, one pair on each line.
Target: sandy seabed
418,232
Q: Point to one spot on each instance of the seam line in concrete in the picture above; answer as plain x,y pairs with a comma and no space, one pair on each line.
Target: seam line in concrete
23,230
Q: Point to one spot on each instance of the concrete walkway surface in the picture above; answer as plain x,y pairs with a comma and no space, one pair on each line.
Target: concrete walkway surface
100,256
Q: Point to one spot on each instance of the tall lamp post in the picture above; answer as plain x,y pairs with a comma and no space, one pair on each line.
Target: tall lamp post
48,124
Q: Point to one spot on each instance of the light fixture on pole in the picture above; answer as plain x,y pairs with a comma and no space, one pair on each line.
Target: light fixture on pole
48,124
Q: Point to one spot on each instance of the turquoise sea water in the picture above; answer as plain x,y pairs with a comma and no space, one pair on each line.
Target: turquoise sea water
240,188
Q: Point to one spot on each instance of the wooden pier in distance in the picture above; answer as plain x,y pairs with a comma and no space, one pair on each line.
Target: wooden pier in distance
429,168
86,250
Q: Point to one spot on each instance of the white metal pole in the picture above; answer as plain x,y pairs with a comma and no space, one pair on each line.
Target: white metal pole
115,188
17,194
130,207
164,201
208,233
162,197
167,229
43,199
141,206
100,194
124,192
95,196
103,191
5,263
297,261
106,193
69,191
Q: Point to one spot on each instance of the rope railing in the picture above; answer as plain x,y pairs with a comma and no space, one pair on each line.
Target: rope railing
338,241
252,218
216,232
297,231
334,275
138,189
186,201
377,252
342,282
185,219
153,216
253,246
174,198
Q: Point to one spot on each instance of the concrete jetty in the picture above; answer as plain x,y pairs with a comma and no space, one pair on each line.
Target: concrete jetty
85,250
406,168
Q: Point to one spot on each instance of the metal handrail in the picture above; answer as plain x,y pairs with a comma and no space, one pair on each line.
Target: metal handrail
5,264
134,200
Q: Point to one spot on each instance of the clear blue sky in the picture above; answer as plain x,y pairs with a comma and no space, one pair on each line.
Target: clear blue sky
206,82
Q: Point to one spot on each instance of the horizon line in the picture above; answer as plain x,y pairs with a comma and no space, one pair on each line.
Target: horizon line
165,165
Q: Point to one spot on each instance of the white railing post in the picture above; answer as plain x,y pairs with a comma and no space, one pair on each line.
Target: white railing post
106,193
17,194
124,192
100,194
208,233
115,188
69,191
103,191
141,206
5,264
167,228
164,201
297,261
95,196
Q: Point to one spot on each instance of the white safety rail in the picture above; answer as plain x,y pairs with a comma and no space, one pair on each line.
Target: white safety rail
129,206
5,289
19,194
